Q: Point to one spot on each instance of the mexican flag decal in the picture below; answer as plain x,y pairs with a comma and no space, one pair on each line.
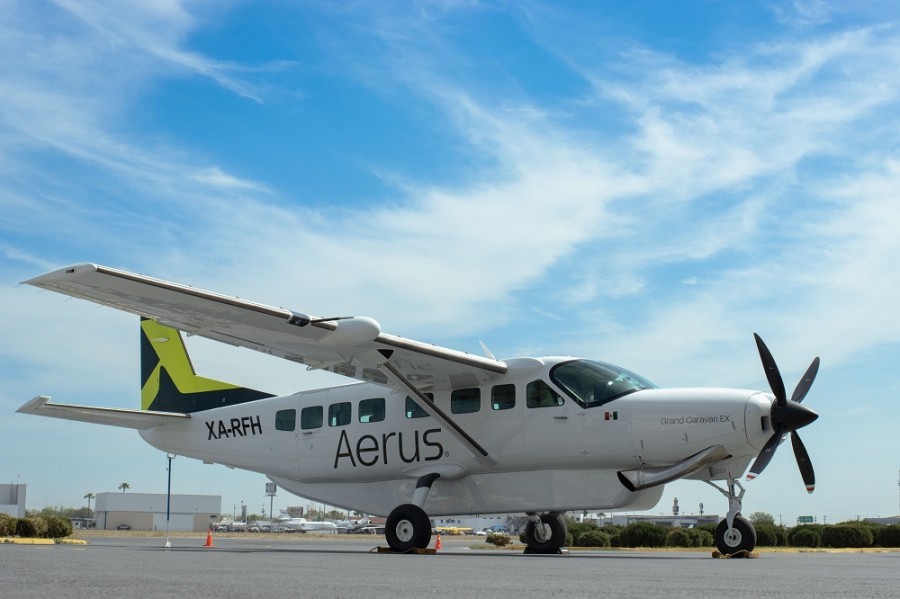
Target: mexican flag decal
611,416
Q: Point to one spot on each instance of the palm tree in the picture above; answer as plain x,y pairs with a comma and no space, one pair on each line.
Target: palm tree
89,496
124,486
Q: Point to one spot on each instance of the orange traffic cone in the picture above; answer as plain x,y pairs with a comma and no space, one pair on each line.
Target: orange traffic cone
437,543
209,542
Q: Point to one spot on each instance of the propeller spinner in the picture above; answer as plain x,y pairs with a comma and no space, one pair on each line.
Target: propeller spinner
787,417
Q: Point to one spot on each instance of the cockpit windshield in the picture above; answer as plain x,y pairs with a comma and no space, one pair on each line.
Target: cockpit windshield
593,384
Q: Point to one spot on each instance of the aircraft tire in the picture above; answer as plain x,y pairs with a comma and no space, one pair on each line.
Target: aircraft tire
551,544
741,538
407,528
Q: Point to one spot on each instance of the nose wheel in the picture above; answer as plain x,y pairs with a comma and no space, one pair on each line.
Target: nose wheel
741,536
735,533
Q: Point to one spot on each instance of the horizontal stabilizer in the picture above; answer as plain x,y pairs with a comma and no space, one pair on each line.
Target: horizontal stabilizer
136,419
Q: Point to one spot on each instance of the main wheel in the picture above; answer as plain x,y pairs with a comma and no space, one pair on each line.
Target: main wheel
740,538
548,536
407,528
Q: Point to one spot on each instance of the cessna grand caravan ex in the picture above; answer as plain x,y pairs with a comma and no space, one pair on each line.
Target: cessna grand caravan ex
430,430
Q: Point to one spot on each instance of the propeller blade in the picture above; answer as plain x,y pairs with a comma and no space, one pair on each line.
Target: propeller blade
772,374
806,469
765,456
806,382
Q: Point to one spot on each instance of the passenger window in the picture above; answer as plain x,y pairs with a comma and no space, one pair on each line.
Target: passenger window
503,397
339,414
371,410
285,420
539,394
414,410
465,401
311,417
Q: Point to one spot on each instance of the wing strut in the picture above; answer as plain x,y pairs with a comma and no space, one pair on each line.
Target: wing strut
457,431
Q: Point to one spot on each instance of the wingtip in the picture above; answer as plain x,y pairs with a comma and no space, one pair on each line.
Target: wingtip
61,273
810,488
33,404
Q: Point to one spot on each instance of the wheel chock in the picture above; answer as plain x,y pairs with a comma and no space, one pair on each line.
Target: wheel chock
427,551
737,555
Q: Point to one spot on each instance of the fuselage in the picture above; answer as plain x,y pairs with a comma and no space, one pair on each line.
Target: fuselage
556,430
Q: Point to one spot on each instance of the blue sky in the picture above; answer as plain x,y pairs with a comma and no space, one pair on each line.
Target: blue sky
647,185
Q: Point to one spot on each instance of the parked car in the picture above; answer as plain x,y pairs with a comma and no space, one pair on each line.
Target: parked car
123,527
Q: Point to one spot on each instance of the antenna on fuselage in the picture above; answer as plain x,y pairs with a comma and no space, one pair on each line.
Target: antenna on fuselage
486,351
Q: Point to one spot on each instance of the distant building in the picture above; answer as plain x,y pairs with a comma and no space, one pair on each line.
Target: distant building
668,521
618,519
12,500
887,521
147,511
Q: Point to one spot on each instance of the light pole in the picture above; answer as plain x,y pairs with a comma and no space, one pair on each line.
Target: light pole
170,457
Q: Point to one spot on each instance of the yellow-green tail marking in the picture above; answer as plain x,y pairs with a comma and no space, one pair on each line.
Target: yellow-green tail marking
168,380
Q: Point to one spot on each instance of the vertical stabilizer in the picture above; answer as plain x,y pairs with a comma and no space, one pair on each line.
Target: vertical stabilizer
168,380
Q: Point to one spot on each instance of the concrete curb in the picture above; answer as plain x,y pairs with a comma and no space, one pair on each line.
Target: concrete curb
18,541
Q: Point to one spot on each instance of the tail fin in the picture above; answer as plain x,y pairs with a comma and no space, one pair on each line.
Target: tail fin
168,380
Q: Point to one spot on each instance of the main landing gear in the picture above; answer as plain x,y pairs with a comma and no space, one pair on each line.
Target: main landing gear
545,533
735,533
408,527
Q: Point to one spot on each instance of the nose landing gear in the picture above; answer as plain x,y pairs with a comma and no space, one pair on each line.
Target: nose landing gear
735,533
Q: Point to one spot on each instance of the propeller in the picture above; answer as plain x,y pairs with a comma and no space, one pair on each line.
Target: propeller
787,417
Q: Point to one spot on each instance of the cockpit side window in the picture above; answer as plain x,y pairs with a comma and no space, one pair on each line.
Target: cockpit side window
539,394
593,384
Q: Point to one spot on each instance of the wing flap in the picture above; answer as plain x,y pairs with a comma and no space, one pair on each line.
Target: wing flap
136,419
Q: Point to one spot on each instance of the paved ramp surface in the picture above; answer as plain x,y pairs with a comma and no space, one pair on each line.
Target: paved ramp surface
257,568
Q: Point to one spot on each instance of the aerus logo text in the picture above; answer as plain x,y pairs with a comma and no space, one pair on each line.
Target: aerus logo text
370,450
234,427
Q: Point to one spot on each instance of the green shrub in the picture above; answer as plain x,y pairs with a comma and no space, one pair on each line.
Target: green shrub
593,538
643,534
816,530
579,528
679,537
32,527
522,538
613,531
888,536
702,537
781,536
7,526
58,527
710,528
500,539
806,537
845,535
766,535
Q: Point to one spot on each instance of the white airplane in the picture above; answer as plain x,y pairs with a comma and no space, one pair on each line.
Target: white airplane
429,430
285,521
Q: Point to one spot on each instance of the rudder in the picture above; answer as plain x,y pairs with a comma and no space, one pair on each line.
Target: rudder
169,382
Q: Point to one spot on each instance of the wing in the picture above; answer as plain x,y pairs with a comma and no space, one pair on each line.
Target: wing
137,419
351,346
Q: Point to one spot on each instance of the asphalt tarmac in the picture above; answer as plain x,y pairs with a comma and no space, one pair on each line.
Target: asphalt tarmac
301,566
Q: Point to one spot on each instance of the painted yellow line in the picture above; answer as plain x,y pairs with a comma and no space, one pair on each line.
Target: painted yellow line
27,541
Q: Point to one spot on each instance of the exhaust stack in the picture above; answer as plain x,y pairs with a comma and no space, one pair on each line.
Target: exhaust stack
644,478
